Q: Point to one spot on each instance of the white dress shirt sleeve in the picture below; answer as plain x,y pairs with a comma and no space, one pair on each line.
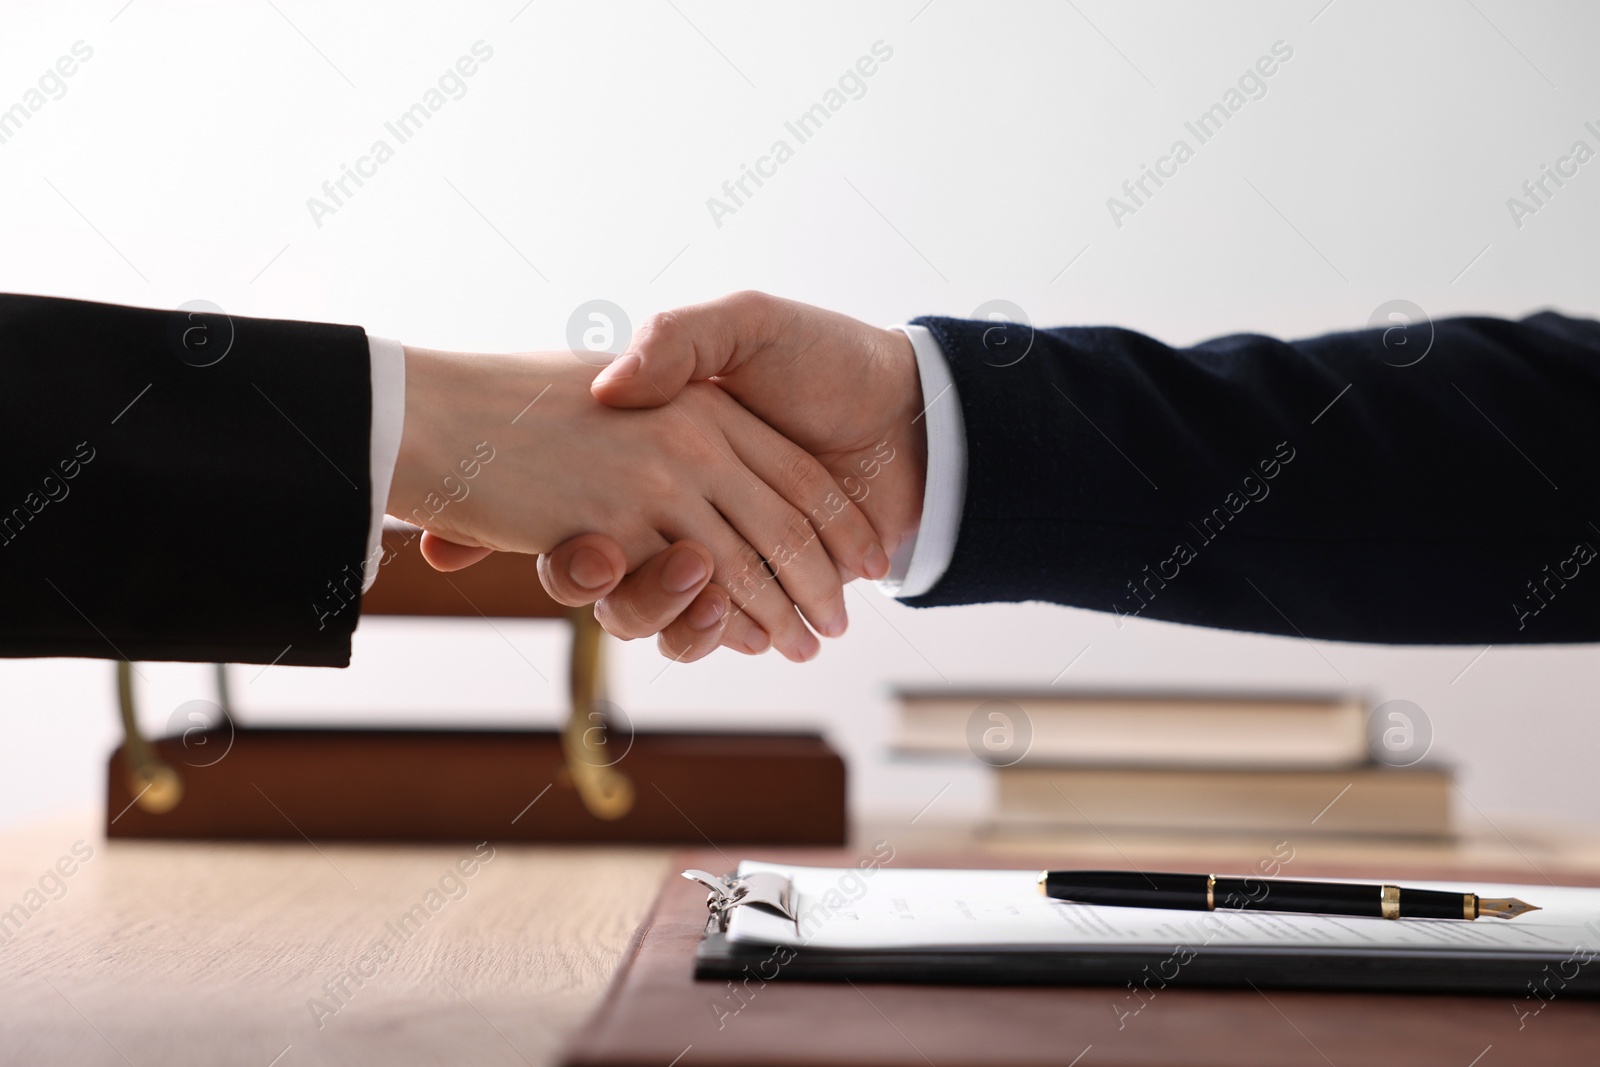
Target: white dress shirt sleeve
388,420
918,564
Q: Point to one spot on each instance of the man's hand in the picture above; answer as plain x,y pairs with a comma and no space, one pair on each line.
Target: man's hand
847,392
512,453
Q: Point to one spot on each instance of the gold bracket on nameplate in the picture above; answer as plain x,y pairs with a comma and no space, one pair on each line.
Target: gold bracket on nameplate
588,735
156,785
588,740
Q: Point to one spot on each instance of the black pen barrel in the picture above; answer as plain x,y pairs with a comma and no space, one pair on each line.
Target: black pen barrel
1201,892
1436,904
1318,898
1129,889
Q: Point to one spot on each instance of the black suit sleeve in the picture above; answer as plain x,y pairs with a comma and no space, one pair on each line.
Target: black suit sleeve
1315,487
180,487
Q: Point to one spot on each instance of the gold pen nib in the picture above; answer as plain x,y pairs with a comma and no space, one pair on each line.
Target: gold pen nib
1503,907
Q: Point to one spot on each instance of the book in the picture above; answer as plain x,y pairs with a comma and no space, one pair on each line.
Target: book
1130,728
1374,799
874,923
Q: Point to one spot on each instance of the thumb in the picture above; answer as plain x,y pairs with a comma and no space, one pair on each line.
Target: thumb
686,345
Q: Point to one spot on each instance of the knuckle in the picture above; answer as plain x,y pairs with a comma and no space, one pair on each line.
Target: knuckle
652,477
836,512
747,301
693,465
659,331
846,527
702,399
653,482
798,533
802,476
758,315
747,573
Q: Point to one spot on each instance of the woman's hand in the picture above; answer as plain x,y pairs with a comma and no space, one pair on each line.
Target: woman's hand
513,453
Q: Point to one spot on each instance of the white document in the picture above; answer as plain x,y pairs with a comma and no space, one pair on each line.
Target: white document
848,909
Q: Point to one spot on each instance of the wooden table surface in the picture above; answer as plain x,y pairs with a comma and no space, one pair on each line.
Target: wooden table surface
178,953
263,955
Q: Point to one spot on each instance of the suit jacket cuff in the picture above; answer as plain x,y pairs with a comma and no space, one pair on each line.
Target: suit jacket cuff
918,564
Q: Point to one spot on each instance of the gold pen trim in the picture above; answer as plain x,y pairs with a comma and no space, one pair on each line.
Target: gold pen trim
1211,890
1469,906
1389,901
1042,876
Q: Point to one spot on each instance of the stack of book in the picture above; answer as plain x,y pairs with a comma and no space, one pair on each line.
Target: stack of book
1293,763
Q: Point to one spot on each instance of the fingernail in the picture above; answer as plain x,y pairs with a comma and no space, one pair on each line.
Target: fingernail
625,366
705,613
877,563
589,568
683,572
836,625
806,649
757,642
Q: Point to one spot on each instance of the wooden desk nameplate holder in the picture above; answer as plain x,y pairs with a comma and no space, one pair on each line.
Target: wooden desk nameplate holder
230,782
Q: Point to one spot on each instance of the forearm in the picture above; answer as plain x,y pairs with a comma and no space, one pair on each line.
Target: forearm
1240,484
188,465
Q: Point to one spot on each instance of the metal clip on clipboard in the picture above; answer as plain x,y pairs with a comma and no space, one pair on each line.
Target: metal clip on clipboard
730,891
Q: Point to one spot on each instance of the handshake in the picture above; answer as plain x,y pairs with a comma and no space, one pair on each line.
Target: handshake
717,484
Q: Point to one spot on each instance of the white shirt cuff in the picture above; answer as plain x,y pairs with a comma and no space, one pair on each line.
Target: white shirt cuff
388,360
921,561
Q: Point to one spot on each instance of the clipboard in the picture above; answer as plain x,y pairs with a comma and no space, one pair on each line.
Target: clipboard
1433,955
658,1012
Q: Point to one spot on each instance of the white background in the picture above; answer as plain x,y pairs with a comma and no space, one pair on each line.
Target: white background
976,166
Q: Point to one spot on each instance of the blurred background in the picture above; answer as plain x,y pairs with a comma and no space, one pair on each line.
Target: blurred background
975,164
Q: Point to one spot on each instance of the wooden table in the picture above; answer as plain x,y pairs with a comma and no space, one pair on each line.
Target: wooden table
262,955
177,953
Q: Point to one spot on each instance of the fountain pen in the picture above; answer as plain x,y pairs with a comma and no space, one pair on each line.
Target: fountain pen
1207,892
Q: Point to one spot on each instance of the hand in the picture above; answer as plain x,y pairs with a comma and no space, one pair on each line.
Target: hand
845,391
512,453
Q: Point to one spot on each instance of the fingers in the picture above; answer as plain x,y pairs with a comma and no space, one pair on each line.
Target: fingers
664,596
741,633
688,344
667,585
750,583
444,555
691,636
698,631
795,475
795,560
582,569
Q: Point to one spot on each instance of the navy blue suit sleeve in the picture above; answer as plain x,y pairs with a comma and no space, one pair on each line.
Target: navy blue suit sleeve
1338,487
177,487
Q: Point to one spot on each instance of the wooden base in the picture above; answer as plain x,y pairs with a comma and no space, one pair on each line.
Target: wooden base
476,785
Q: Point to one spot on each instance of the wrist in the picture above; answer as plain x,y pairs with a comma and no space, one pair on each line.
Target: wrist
403,488
424,488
